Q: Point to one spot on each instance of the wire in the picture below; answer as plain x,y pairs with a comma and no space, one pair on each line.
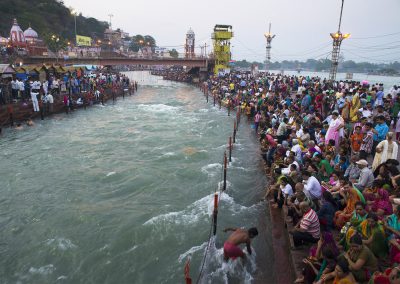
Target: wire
377,47
378,36
369,58
309,51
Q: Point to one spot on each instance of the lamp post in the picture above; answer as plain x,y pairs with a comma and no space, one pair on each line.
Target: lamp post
268,37
73,12
337,37
56,39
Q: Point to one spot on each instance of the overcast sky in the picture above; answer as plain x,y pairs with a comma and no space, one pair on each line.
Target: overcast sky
302,27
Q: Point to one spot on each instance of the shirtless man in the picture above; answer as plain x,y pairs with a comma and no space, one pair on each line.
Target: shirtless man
239,236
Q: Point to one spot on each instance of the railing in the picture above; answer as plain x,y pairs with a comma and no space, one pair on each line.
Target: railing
113,54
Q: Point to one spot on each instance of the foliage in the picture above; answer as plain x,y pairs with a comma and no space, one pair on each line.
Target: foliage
173,53
55,43
138,41
47,17
325,65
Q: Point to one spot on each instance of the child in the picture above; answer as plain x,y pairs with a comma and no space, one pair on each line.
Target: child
356,139
330,148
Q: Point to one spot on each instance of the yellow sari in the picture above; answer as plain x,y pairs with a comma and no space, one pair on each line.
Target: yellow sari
355,106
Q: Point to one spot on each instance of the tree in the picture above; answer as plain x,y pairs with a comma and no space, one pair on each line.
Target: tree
55,43
173,53
137,42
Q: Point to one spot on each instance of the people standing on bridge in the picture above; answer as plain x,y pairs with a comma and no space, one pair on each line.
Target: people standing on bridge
238,237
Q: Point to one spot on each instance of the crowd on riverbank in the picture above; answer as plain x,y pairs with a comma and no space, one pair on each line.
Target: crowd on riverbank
331,152
23,100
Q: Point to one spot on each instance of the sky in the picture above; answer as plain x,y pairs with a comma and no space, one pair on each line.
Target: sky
302,27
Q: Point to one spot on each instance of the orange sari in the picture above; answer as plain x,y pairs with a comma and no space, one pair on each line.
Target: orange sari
342,217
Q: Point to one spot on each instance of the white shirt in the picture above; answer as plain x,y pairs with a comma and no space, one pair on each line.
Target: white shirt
50,98
312,188
21,86
286,171
297,150
14,84
287,190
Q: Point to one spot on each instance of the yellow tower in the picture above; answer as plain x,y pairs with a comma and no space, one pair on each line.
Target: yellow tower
222,47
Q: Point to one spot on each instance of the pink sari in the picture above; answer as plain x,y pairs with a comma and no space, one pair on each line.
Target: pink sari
333,132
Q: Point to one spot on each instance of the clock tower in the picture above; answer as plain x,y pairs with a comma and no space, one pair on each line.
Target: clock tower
189,45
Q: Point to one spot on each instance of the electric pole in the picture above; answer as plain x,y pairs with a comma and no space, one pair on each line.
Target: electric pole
110,15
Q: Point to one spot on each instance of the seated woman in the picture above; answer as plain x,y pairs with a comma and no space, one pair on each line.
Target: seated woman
341,274
373,235
350,197
362,261
392,226
379,202
283,191
327,211
333,184
315,267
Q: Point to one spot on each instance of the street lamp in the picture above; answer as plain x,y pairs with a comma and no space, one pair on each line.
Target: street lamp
269,37
56,39
73,12
337,37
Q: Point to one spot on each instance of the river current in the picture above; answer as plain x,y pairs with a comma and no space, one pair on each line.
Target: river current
123,193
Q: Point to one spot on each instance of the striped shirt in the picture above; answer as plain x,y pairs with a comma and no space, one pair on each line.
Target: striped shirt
367,142
310,223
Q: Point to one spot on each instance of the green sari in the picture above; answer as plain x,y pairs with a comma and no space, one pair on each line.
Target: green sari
379,245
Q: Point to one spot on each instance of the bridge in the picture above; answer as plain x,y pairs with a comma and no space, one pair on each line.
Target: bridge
201,62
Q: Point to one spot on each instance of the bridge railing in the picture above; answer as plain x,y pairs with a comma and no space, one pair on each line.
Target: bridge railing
63,55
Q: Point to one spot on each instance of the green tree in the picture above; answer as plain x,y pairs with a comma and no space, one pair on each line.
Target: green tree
173,53
55,43
137,42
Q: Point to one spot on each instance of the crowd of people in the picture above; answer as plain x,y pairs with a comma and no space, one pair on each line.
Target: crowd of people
69,90
331,155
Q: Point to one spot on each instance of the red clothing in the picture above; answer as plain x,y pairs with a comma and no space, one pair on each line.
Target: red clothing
232,251
356,141
270,140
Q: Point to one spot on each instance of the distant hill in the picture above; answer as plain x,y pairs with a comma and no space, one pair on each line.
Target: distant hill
47,17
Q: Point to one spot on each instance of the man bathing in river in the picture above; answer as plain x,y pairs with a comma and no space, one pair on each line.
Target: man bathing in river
239,236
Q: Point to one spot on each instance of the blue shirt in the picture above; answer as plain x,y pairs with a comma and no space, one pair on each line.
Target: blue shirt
379,95
382,130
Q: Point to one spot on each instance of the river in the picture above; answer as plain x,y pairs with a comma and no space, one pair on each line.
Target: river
123,193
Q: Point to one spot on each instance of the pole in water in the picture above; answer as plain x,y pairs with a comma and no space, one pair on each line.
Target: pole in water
234,131
214,99
225,165
215,214
188,280
230,149
207,96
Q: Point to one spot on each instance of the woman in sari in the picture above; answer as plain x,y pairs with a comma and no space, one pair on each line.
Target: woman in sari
355,106
341,274
373,235
392,226
350,198
381,204
335,125
362,261
386,149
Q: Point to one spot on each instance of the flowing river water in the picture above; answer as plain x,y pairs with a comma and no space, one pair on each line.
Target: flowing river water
124,193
